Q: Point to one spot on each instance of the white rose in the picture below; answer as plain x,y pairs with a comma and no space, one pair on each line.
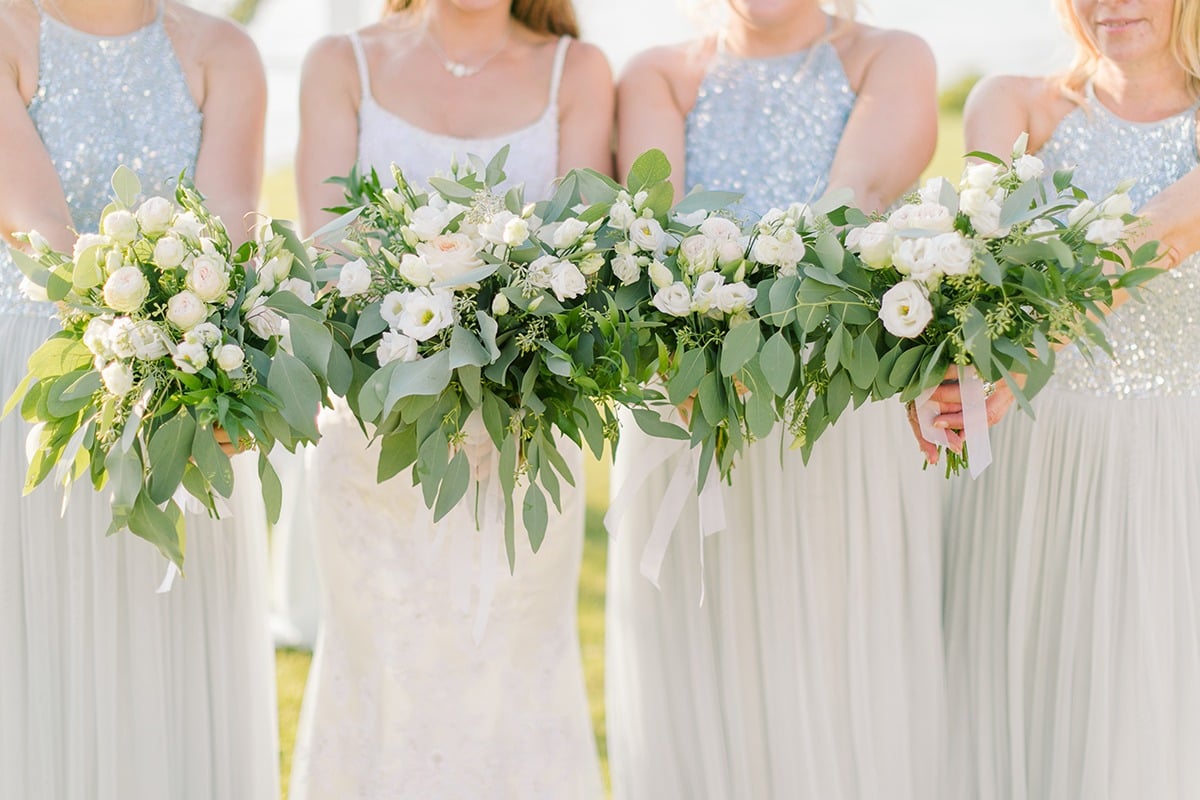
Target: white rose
500,306
120,226
660,276
567,281
703,298
1105,231
568,232
621,215
1117,206
952,253
698,253
516,231
734,298
118,379
190,357
148,340
981,176
874,244
187,226
120,337
205,333
1029,168
591,263
973,202
185,310
767,250
354,278
126,289
428,222
169,252
425,313
396,347
916,258
32,292
86,242
96,337
301,288
155,215
626,268
265,322
646,234
229,357
674,300
416,270
540,273
1080,212
207,278
922,216
450,256
905,310
720,229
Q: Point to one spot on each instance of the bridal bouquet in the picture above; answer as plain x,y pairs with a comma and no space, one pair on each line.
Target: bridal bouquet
479,329
988,277
169,332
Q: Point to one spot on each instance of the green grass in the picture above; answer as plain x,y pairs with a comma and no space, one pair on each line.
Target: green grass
292,667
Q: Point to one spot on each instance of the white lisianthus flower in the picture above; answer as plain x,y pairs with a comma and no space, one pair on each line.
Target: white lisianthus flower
933,217
698,253
187,226
354,278
185,310
1029,168
85,242
428,222
500,305
37,242
952,253
792,252
190,357
118,378
415,269
731,251
703,299
155,215
646,234
1080,212
394,200
1105,231
874,244
721,229
32,292
767,250
279,266
450,256
541,271
207,278
425,313
905,310
299,287
693,219
1117,206
591,263
1041,226
660,276
396,347
229,357
931,192
639,200
981,176
113,261
516,231
148,340
169,252
120,226
492,231
566,281
621,215
568,232
771,219
1020,145
96,338
205,333
987,222
800,212
126,290
674,300
120,338
734,298
626,268
264,321
916,258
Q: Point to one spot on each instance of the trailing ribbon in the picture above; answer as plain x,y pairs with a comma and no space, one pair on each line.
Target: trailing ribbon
975,424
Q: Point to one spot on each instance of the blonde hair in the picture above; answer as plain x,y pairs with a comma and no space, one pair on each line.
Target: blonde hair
1185,46
553,17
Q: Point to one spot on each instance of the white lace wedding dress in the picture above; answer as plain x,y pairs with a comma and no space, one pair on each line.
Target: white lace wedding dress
402,701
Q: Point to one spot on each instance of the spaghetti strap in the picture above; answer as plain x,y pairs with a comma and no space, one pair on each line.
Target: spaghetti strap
560,58
364,74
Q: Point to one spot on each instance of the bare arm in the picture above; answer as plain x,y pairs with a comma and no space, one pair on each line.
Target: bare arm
328,144
586,118
890,136
1174,216
229,168
649,116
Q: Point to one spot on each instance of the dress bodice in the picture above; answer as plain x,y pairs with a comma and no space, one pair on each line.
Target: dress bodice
769,127
1156,343
385,137
104,101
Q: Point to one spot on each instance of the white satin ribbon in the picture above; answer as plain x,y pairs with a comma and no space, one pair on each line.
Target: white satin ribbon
168,580
975,423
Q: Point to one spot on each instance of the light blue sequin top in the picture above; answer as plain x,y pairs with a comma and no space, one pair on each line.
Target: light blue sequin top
104,101
769,127
1156,343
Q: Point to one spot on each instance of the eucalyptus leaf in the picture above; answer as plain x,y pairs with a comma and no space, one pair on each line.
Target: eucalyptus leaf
693,365
454,485
741,344
649,168
778,363
535,516
654,425
214,465
168,453
298,392
126,186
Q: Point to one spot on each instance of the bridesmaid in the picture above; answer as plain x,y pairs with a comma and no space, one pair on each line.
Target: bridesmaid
108,690
813,667
1073,565
410,696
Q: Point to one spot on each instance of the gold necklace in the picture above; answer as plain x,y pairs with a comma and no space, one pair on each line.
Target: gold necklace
457,68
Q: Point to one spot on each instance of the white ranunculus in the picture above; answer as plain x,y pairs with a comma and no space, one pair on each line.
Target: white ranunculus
187,226
1029,168
874,244
660,276
299,287
566,281
500,305
905,310
1105,231
185,310
626,268
208,278
126,290
31,291
591,263
229,357
646,234
568,232
190,357
1117,206
120,226
674,300
981,176
205,333
148,340
426,313
85,242
541,271
621,215
264,321
952,253
96,337
118,378
120,338
450,256
933,217
721,229
354,278
1080,212
734,298
516,231
698,253
767,250
155,215
396,347
703,299
169,252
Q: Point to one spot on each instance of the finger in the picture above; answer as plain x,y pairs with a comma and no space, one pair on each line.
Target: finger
927,448
947,393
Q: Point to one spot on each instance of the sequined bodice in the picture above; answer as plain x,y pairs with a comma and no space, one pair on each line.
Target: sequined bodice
102,102
1156,343
769,127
